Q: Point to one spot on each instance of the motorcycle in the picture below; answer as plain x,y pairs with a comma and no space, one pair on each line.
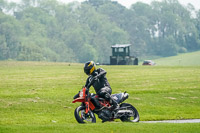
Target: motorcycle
92,104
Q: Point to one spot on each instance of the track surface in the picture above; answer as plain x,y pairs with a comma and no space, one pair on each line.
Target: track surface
174,121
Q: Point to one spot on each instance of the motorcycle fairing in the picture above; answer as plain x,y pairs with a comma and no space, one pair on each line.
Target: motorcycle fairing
92,107
82,99
79,99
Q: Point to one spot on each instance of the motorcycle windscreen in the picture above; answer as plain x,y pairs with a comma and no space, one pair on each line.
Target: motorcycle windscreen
120,97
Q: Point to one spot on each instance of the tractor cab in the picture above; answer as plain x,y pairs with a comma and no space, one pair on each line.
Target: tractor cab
121,55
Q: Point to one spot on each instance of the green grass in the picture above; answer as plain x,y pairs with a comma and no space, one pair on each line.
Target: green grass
104,128
37,96
186,59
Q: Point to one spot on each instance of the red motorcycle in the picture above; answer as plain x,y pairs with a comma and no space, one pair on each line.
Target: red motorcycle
92,103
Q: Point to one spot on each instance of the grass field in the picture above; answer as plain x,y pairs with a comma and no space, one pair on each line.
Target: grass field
36,97
186,59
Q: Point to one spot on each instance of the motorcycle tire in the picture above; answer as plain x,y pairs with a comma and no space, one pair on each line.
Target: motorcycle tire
81,117
134,118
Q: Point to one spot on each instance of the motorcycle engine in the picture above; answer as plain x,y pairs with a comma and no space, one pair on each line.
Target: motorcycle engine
105,115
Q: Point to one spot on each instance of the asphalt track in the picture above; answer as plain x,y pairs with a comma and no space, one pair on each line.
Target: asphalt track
174,121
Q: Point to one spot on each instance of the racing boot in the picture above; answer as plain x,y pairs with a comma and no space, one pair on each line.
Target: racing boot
115,105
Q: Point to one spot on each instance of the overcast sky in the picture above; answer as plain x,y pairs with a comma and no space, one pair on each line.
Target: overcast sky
127,3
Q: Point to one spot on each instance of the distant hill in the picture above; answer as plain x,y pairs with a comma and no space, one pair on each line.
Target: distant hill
186,59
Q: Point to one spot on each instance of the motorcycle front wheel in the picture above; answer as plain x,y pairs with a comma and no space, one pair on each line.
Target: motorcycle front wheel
82,117
133,117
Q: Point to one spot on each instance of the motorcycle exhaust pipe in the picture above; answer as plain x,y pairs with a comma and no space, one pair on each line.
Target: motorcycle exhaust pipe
123,112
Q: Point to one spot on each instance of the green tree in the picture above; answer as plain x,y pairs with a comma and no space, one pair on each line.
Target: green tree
2,5
10,32
48,30
4,49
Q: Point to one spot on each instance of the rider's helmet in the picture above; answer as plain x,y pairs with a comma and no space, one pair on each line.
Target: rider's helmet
89,67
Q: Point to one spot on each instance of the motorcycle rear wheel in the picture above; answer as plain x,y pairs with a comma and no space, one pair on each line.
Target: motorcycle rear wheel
134,118
81,117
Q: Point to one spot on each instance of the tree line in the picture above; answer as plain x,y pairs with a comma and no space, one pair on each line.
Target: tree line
48,30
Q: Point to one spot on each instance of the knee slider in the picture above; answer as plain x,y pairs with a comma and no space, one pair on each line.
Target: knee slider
107,96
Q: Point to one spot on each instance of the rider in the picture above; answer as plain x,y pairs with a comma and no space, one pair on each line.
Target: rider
100,82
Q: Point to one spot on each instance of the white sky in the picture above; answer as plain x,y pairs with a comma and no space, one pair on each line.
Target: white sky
127,3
